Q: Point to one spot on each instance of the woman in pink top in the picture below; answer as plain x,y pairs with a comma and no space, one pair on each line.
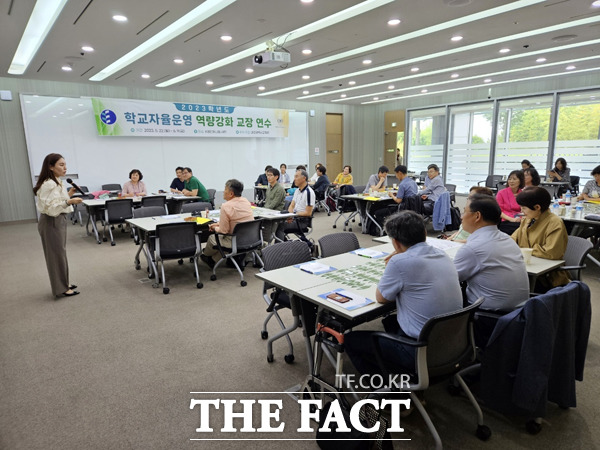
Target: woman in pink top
135,187
506,198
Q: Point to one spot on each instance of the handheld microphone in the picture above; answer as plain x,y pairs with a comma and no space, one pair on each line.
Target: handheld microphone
70,181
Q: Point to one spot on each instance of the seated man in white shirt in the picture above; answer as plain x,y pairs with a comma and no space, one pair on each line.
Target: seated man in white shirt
490,262
302,204
421,280
378,181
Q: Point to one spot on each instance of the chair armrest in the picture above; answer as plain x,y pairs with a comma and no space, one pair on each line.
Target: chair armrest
400,339
479,182
572,267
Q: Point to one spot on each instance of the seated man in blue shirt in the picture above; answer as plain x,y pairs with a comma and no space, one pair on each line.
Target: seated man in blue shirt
178,183
434,186
421,280
407,188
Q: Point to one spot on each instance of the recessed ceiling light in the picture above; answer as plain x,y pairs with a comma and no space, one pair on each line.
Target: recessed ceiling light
306,51
119,18
521,101
79,104
454,75
504,50
414,69
393,22
375,98
87,48
456,38
306,1
487,80
343,96
226,38
69,109
178,61
67,68
261,88
391,86
571,67
145,75
540,60
596,4
423,91
351,83
305,92
306,77
209,82
62,112
249,70
27,101
367,61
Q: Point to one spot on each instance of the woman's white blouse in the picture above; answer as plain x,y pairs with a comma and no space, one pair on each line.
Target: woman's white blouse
51,199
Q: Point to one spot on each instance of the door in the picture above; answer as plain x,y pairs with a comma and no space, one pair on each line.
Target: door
334,143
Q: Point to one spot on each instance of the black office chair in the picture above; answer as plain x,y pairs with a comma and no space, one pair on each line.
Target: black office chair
245,238
111,187
155,200
422,176
347,208
144,211
276,256
211,197
445,346
337,243
575,185
177,241
321,203
491,182
79,208
195,207
451,188
116,212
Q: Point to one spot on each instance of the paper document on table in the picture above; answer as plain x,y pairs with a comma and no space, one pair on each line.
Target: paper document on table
369,253
443,244
353,300
371,198
315,268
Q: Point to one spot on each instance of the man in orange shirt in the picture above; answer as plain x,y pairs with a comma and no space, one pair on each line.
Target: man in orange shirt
236,209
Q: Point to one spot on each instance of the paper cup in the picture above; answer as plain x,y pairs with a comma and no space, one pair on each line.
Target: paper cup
395,186
527,254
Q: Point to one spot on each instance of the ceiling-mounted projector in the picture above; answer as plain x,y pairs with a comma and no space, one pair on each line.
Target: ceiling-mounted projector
271,59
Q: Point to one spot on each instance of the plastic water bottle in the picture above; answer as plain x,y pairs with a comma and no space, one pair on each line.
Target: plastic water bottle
568,198
579,210
555,207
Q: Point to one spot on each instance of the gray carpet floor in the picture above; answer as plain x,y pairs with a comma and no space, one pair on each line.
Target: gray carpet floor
114,367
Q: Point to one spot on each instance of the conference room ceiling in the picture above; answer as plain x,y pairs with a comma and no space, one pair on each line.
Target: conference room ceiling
564,32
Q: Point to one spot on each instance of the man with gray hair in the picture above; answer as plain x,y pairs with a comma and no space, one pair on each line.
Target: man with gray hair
302,204
236,209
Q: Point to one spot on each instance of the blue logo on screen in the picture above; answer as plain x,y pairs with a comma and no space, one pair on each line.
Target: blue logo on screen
108,117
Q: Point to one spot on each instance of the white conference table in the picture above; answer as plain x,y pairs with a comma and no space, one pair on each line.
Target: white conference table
94,206
535,268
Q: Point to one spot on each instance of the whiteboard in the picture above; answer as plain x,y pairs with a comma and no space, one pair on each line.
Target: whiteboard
66,125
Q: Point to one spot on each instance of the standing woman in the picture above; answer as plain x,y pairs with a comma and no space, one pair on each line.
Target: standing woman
135,187
54,203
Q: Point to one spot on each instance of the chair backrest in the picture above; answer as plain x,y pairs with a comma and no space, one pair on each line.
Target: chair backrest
285,254
85,188
337,243
148,211
577,250
449,340
154,200
111,187
211,196
450,187
195,206
422,176
574,180
414,203
248,235
117,211
492,181
176,240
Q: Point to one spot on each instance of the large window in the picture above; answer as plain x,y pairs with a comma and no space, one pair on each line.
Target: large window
523,130
578,132
469,145
427,130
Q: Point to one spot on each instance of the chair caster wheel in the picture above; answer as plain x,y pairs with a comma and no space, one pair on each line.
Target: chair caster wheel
328,213
243,283
483,432
112,244
453,390
155,285
180,261
349,229
213,277
104,239
270,359
334,226
264,335
99,242
289,358
166,291
151,275
533,427
138,267
199,285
